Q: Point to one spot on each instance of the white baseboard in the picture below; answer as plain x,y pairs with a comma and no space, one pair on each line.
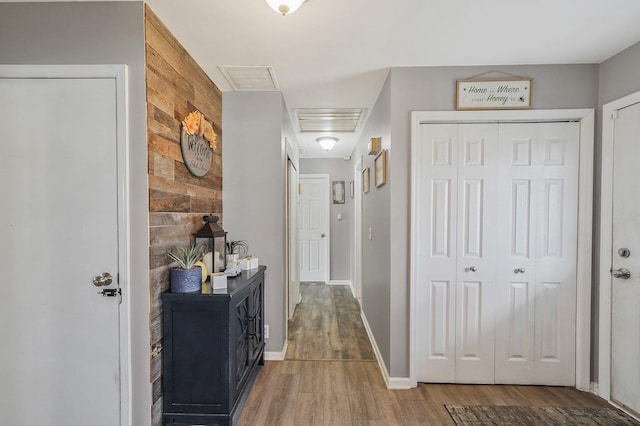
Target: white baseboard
343,282
391,382
339,282
277,356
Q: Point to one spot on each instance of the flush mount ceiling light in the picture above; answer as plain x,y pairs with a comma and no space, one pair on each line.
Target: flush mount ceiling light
285,7
327,142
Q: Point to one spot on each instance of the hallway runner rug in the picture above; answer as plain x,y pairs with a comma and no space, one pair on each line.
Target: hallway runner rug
475,415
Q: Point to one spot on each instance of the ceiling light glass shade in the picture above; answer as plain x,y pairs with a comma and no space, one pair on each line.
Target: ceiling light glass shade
285,7
327,142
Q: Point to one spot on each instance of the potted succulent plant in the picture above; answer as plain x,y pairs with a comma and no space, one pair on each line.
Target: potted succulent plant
187,276
236,248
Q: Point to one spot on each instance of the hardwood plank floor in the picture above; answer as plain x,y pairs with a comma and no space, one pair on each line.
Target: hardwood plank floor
350,390
327,325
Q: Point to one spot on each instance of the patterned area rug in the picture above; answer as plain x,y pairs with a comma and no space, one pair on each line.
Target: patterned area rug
476,415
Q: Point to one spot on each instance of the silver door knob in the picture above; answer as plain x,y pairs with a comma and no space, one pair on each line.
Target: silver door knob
471,268
103,279
519,271
622,273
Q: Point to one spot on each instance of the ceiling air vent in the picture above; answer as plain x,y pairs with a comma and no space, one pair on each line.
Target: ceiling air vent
250,78
329,119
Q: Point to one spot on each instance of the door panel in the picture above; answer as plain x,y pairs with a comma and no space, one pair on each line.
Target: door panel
456,172
59,227
435,291
625,314
539,269
441,214
475,271
556,275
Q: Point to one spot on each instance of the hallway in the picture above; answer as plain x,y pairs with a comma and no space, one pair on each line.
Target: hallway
330,377
327,326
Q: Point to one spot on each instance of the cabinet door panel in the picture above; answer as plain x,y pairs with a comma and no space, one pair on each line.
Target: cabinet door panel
256,321
203,362
241,352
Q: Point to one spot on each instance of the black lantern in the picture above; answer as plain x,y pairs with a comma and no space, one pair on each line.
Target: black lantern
213,239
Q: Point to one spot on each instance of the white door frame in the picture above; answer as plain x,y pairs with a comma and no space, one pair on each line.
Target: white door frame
293,282
357,230
585,219
119,73
606,233
327,218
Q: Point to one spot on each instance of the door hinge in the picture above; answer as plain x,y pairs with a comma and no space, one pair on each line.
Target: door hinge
614,115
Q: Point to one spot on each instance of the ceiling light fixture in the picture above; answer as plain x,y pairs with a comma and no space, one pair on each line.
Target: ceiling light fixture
327,142
284,7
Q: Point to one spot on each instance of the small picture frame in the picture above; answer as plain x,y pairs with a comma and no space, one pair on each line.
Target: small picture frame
338,191
365,180
380,169
374,146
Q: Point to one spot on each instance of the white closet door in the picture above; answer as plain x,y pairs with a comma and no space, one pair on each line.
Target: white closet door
536,257
476,261
496,280
436,274
457,192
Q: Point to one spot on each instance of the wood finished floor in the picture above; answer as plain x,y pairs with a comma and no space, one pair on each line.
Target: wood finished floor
351,391
326,325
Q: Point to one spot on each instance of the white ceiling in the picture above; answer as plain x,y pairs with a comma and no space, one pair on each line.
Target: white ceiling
337,53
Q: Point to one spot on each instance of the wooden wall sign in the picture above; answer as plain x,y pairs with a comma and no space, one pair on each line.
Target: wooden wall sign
196,153
493,94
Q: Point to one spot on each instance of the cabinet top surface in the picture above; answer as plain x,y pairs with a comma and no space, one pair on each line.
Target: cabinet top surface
234,284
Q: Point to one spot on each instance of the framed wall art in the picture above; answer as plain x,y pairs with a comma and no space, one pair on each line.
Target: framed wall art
380,169
481,94
338,191
365,180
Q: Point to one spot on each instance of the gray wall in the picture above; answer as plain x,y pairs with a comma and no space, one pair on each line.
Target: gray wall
341,231
424,89
378,301
619,75
100,33
254,191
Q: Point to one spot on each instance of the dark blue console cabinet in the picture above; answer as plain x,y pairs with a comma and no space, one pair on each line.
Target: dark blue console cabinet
213,348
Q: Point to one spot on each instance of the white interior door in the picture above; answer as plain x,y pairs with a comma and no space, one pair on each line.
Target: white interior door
292,234
537,253
313,225
497,226
60,354
625,256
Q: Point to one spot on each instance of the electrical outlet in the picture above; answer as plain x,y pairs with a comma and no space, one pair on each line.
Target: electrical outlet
266,331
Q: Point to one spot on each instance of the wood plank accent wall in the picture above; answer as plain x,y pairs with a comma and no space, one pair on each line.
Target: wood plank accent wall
176,85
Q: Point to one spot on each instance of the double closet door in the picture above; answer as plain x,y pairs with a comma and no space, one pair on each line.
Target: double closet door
496,280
